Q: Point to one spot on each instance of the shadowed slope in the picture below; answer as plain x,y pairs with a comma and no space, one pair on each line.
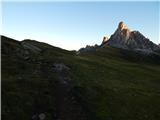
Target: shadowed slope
107,84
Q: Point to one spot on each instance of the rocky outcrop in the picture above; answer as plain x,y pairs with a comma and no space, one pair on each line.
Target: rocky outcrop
30,47
132,40
22,49
88,48
105,39
60,67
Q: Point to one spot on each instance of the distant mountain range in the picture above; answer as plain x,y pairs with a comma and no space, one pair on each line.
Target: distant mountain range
124,38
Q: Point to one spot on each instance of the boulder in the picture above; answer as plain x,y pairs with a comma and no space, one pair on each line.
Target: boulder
60,67
30,47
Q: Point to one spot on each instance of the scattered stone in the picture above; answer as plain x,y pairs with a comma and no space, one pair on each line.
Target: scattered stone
35,117
60,67
42,116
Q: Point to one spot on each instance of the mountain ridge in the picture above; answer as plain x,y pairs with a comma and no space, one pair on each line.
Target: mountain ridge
43,82
124,38
56,84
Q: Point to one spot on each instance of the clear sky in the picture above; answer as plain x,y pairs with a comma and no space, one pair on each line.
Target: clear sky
72,25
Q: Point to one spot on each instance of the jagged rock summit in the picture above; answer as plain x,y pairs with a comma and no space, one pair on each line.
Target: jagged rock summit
124,38
105,38
122,25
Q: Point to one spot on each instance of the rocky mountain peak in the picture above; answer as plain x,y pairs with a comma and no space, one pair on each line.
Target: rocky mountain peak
124,38
105,38
122,32
122,26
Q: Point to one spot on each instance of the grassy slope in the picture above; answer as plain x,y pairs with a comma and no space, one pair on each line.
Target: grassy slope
28,85
117,89
24,91
109,86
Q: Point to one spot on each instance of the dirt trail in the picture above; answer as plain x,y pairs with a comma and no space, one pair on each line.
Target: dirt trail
67,108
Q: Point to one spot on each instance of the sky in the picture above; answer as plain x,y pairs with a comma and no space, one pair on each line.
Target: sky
72,25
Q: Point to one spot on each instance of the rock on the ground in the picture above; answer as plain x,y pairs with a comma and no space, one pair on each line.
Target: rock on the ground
60,67
41,116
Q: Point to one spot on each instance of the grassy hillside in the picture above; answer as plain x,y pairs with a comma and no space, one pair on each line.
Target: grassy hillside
108,84
116,89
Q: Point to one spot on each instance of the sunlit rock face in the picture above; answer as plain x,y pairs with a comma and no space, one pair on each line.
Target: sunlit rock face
124,38
105,39
122,26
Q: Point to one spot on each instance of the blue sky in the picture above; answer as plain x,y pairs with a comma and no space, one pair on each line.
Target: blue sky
72,25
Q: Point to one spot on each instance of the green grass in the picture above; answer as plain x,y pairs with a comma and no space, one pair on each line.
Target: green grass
110,85
118,89
23,91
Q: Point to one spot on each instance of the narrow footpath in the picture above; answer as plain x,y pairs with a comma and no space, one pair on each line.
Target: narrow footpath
67,108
